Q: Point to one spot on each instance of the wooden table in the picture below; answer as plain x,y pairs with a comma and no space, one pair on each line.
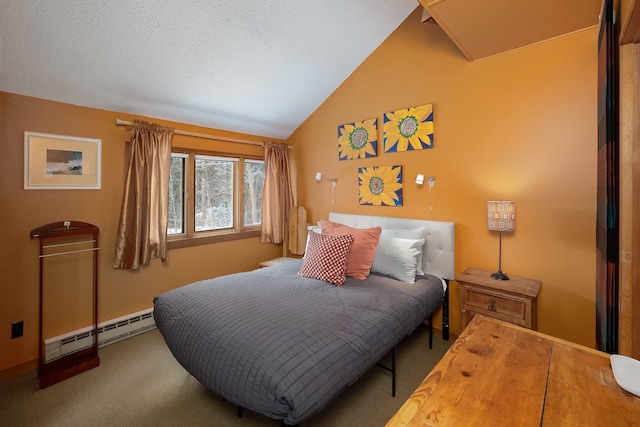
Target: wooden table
497,373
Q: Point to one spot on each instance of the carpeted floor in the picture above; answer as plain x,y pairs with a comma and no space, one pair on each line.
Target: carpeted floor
139,383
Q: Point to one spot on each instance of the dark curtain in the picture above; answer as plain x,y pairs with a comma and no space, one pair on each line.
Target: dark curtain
608,184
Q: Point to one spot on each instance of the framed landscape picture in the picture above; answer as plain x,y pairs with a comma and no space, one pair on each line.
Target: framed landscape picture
56,162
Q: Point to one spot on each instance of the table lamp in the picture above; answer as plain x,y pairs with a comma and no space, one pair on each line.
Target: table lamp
502,217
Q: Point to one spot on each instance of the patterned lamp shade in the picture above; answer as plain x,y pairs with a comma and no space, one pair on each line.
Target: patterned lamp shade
501,215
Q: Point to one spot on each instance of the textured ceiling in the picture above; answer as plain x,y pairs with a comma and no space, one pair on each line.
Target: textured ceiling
258,67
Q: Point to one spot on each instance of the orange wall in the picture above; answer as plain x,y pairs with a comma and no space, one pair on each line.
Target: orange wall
517,126
121,292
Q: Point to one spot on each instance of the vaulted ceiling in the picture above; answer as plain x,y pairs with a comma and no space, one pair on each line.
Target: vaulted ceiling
257,67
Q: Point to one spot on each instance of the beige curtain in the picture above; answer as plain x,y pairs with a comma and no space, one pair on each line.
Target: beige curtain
277,197
142,233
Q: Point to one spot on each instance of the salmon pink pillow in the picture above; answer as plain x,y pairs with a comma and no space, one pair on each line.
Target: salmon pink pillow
363,250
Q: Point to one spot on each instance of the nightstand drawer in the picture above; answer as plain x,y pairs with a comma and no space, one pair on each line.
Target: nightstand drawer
513,300
498,306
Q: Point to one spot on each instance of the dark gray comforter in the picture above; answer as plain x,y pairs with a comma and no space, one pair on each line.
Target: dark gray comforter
285,345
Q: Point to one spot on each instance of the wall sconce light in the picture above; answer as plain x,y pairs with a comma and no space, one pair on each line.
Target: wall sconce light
432,181
420,180
502,217
333,188
331,180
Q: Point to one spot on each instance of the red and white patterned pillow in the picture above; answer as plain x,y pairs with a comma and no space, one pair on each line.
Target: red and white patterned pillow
326,257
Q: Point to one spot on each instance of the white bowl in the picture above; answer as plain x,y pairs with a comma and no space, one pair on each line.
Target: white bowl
626,372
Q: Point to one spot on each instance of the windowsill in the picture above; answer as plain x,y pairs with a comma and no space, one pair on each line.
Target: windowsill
177,242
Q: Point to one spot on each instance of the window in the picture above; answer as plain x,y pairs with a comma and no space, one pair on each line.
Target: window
214,198
176,194
214,191
253,185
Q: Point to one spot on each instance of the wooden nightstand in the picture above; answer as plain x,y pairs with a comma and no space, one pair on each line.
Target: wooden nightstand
512,300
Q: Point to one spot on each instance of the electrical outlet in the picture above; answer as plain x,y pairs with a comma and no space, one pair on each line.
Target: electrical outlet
17,329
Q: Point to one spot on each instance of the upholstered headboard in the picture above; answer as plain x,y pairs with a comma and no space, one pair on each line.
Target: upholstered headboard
438,258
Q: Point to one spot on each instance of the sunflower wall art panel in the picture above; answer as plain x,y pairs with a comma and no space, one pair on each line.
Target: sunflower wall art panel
408,129
358,140
380,185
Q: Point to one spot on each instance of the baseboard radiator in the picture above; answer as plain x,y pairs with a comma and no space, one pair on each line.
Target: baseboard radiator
108,332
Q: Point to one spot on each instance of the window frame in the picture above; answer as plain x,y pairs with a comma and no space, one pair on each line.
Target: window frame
238,231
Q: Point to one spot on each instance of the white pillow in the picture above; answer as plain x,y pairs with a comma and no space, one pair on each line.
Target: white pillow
397,257
413,233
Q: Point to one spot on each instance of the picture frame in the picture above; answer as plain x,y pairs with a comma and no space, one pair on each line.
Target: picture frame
59,162
380,185
408,129
358,140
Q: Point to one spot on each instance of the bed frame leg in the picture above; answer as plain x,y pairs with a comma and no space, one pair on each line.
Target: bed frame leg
391,369
239,411
393,372
445,314
430,332
445,318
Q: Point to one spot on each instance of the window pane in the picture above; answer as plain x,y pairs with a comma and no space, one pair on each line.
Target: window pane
213,193
253,185
176,195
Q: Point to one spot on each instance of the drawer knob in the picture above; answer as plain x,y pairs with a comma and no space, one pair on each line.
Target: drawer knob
492,306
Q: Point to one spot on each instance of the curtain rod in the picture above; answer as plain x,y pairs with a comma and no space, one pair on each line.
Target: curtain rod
201,135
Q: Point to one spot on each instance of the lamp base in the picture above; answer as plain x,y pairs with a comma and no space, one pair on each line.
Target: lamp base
499,275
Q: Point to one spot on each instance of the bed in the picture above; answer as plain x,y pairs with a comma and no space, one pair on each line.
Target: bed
284,345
